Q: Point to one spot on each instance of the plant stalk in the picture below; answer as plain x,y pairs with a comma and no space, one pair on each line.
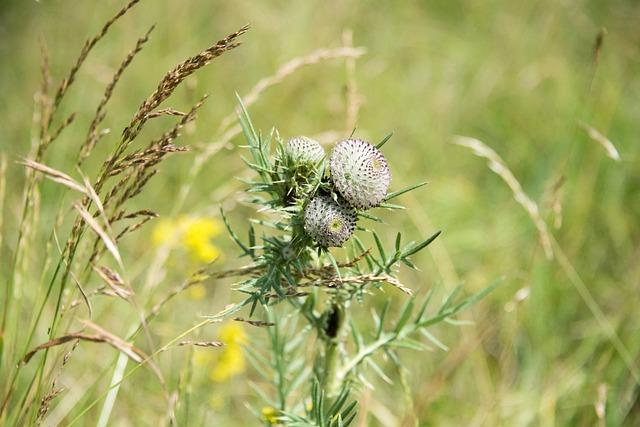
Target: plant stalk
333,328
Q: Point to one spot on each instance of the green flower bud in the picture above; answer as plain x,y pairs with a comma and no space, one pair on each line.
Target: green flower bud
360,173
328,223
305,150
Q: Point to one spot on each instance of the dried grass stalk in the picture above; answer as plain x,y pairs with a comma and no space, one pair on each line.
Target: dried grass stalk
55,175
85,296
3,188
197,277
108,242
42,107
353,98
336,282
53,391
173,78
66,123
51,106
133,227
553,200
137,169
497,165
88,46
202,343
609,148
114,281
258,323
289,68
100,336
93,135
165,112
136,214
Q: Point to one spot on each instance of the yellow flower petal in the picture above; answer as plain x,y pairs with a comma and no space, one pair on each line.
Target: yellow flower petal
230,364
204,252
270,414
197,292
232,333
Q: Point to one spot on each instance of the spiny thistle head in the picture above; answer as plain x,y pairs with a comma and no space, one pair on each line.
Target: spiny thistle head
329,223
360,173
303,149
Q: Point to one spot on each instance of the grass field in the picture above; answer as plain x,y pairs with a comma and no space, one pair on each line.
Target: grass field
551,87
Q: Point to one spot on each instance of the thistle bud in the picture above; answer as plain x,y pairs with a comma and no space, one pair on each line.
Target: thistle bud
305,150
360,173
329,223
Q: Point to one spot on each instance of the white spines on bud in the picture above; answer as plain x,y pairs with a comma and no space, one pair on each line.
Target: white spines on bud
360,173
304,150
328,223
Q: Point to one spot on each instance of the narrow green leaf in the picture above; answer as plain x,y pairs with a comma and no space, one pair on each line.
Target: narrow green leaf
423,308
408,263
348,410
383,255
384,141
232,233
357,242
339,402
449,300
383,315
264,396
395,194
478,296
334,263
252,241
378,370
433,339
244,117
357,337
348,420
391,206
406,314
420,246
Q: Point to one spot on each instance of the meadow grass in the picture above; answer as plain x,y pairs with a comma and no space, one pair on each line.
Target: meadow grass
540,84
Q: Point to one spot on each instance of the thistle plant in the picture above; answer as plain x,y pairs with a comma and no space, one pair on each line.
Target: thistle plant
308,299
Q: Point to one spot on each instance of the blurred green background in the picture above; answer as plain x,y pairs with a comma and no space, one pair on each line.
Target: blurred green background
519,76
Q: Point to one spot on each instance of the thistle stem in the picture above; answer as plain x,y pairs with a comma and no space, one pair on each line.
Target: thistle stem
333,331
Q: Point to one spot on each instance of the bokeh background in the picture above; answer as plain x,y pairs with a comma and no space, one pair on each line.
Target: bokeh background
519,76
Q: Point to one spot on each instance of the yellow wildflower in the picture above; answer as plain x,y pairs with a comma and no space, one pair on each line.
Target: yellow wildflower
197,239
230,361
232,333
193,234
270,414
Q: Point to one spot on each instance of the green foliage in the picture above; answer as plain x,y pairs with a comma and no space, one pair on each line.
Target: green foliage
295,269
518,76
